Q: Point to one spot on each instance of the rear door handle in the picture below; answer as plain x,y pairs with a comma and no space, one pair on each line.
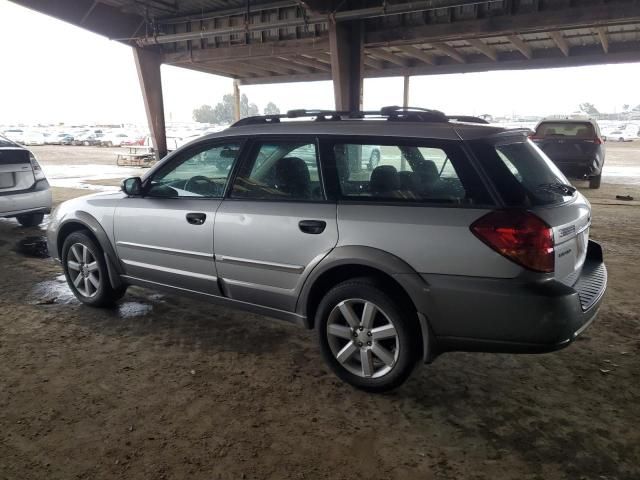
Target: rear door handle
313,227
196,218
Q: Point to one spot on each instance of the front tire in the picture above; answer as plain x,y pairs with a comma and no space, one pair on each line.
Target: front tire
366,337
30,219
594,182
86,272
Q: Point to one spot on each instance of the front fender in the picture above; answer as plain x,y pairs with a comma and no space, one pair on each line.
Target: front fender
81,219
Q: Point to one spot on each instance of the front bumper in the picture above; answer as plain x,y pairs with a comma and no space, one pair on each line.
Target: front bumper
36,199
494,315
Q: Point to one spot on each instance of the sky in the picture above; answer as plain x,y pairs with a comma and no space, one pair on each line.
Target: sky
54,72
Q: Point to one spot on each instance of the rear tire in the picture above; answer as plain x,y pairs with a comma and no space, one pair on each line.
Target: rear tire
594,182
375,345
30,219
86,271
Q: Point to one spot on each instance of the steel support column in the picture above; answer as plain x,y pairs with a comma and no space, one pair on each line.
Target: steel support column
347,63
148,66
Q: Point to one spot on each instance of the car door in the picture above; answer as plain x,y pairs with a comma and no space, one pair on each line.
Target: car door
166,235
275,224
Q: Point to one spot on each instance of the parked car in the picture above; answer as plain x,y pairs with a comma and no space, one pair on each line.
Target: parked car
33,138
622,135
576,146
24,190
14,134
88,139
60,139
464,237
116,139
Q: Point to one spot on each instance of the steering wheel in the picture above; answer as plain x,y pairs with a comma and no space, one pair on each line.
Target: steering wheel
201,185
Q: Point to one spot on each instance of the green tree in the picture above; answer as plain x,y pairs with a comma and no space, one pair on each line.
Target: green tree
271,109
589,108
204,114
224,111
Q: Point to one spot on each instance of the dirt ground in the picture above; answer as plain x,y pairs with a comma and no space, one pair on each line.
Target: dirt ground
166,387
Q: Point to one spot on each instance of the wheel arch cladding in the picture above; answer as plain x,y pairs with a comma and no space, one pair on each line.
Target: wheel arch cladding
349,262
83,221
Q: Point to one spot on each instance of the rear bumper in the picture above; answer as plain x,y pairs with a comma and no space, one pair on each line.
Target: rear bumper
580,169
36,199
510,316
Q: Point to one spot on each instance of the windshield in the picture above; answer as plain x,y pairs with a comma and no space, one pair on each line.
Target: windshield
523,175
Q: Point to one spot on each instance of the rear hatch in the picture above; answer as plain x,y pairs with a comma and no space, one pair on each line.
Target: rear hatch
567,142
16,172
526,180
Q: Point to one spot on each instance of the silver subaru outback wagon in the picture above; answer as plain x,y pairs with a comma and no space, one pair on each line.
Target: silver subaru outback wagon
462,237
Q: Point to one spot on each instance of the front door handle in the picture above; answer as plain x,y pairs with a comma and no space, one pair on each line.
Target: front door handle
196,218
313,227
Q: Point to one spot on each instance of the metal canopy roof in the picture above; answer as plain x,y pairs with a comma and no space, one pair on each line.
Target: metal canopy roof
283,41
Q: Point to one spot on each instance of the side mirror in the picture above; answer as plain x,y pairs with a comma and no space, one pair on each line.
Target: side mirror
132,186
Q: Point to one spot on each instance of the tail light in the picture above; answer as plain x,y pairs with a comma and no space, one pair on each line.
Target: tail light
519,236
597,141
35,166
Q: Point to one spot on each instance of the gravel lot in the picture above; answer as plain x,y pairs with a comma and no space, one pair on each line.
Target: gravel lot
164,387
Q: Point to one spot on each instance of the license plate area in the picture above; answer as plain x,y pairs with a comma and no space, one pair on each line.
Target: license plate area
7,180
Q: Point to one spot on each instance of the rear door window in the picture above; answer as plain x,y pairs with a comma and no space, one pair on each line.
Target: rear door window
408,171
280,170
578,130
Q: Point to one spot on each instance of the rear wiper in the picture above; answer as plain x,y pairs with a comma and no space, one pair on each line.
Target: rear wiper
557,187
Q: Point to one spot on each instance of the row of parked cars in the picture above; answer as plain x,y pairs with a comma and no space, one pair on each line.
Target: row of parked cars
87,137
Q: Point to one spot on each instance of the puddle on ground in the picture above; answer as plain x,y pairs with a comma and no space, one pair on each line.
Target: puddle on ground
58,292
52,291
33,246
133,309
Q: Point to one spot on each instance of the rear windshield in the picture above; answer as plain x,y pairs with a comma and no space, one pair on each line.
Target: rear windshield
522,173
10,157
566,129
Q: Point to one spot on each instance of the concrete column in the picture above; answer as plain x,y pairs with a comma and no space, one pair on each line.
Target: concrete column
405,104
347,63
405,92
148,65
236,100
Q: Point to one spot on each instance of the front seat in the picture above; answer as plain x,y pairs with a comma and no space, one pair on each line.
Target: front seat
384,180
292,177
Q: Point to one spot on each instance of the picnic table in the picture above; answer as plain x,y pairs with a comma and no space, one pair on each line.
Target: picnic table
136,156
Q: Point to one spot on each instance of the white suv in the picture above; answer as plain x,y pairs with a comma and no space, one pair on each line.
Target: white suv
24,190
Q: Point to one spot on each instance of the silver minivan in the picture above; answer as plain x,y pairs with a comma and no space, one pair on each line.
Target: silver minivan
24,190
463,237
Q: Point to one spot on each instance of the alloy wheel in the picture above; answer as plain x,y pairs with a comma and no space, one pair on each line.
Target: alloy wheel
362,338
83,270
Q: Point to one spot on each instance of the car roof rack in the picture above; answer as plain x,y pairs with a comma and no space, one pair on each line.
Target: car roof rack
390,113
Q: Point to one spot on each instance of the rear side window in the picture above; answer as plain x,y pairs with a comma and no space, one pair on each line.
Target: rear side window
523,175
408,172
565,129
285,171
